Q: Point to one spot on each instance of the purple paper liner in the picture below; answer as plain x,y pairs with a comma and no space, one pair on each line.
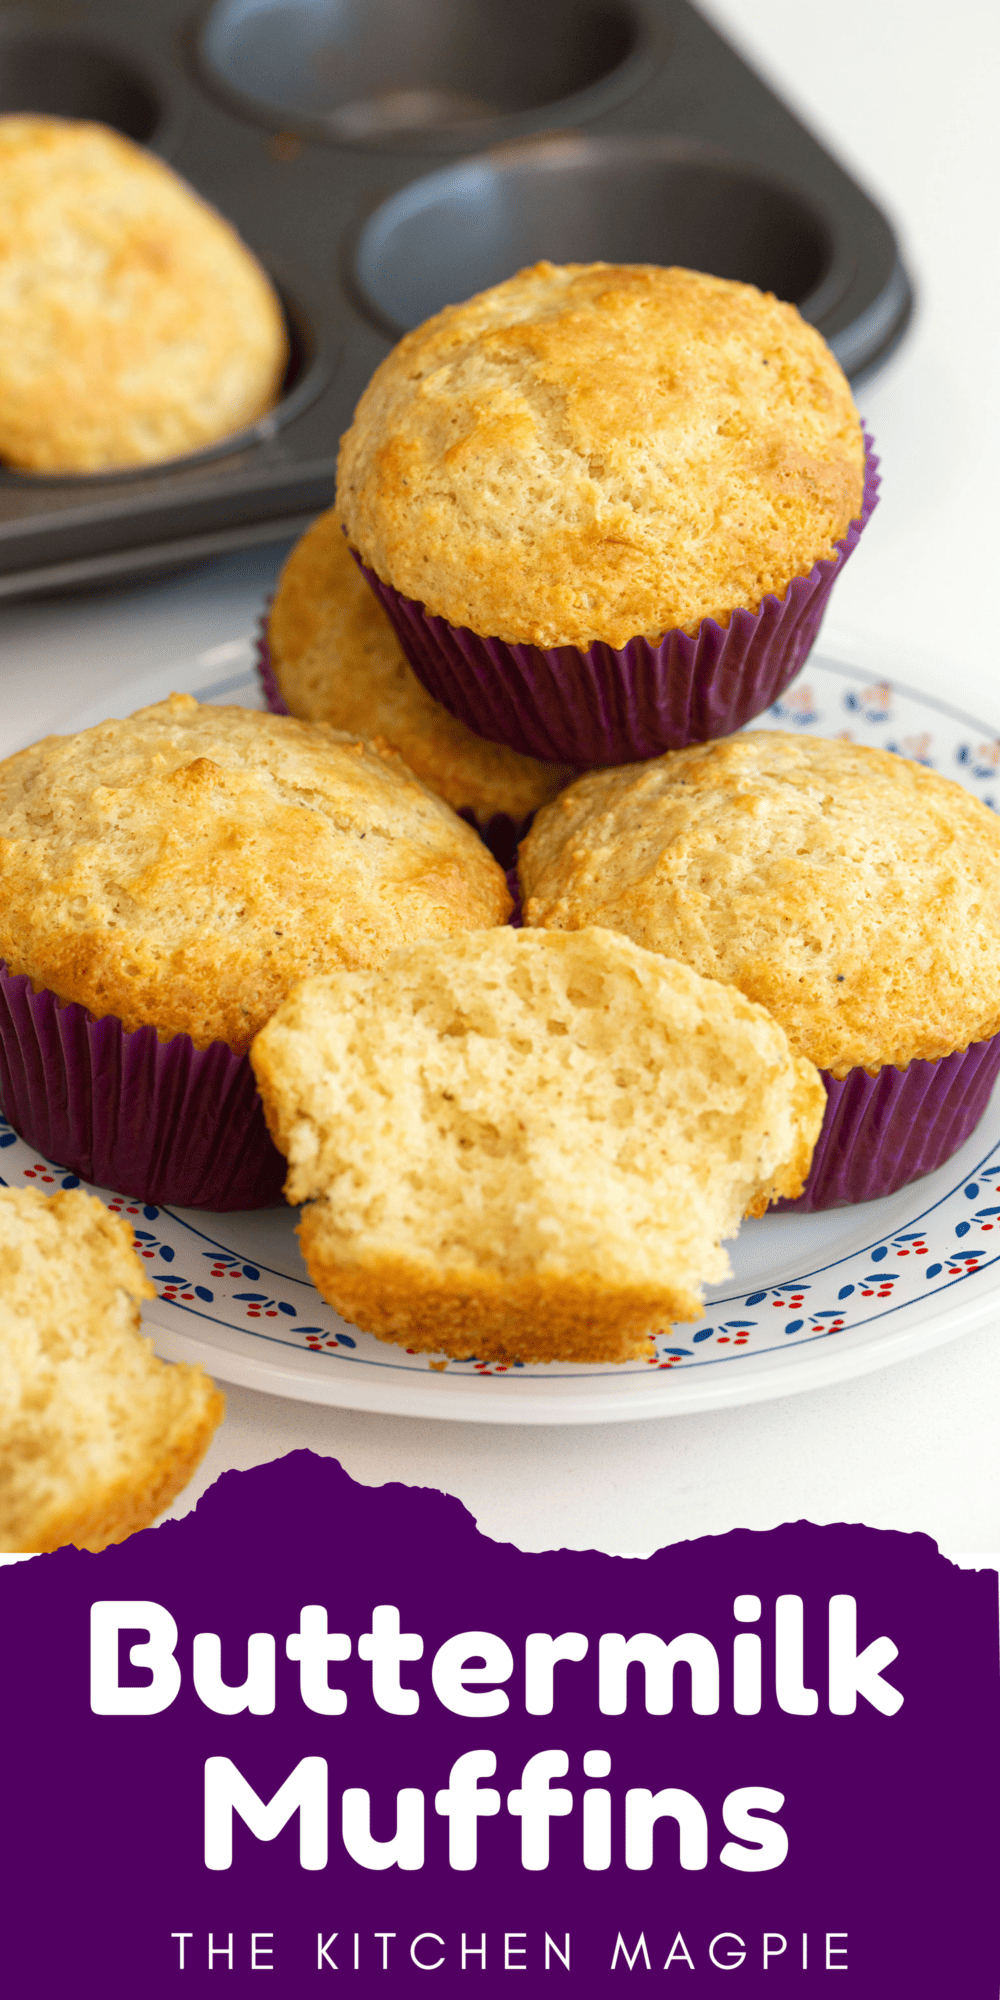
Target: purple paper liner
265,667
618,706
881,1132
500,833
161,1121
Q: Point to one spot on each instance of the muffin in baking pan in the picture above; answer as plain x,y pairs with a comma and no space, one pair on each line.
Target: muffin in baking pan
331,655
96,1435
164,882
854,894
528,1146
135,326
605,504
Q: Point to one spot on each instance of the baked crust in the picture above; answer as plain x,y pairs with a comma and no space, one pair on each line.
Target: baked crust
108,1513
529,1145
97,1436
478,1315
186,867
337,659
852,892
134,323
594,452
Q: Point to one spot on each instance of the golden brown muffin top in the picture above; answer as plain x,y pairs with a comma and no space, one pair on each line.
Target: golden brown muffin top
853,893
337,659
134,323
597,451
187,867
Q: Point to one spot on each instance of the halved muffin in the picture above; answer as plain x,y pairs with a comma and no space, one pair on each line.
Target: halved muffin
526,1145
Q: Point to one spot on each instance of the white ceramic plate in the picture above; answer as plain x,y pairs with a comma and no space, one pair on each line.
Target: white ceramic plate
812,1300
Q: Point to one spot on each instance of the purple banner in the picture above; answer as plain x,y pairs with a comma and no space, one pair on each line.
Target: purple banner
335,1736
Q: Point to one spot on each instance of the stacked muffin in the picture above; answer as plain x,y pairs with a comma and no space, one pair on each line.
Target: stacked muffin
854,894
164,884
604,505
330,655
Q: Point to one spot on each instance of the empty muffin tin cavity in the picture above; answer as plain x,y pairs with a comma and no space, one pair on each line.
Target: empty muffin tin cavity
385,72
456,231
60,77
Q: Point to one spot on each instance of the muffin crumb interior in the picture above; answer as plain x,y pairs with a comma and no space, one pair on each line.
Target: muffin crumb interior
526,1145
97,1435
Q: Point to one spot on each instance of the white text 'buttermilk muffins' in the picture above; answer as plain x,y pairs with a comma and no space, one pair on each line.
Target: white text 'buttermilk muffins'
528,1147
96,1435
334,657
853,893
604,504
173,876
134,324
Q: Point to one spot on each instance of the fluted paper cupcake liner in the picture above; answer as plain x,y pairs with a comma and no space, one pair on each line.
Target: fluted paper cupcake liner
500,832
161,1121
618,706
265,667
881,1132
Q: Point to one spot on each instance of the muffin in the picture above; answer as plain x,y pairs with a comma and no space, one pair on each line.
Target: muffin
164,882
854,894
526,1146
96,1435
136,325
332,656
604,504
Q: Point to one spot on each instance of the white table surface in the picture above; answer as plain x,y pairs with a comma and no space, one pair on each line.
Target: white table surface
903,91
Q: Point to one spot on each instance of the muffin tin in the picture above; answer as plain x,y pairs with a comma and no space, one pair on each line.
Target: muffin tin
383,158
